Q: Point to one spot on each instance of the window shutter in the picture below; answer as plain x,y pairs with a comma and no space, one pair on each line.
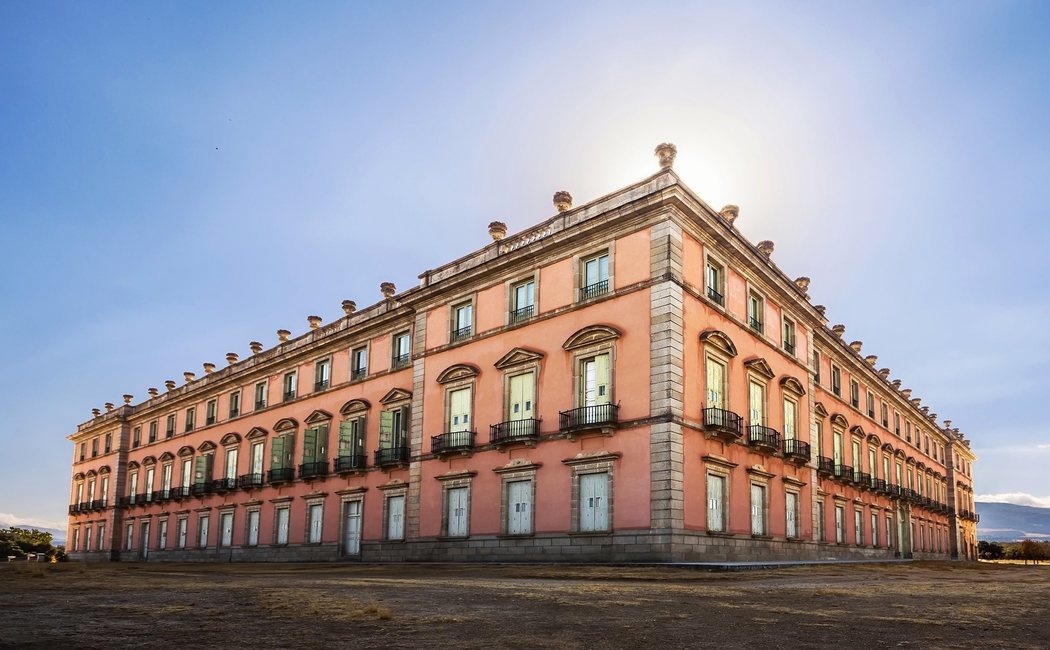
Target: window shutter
322,443
715,383
602,379
386,429
309,445
277,453
459,410
714,503
346,432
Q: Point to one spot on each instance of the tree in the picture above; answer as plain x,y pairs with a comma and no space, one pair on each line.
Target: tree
1031,550
20,542
990,550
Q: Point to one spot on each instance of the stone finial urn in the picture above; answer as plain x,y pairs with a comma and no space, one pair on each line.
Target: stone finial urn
765,247
109,406
388,289
153,392
821,309
856,345
497,230
255,347
906,392
729,213
884,372
282,335
947,424
209,367
314,321
896,383
665,154
562,201
871,359
231,358
802,283
838,330
169,384
96,412
127,398
188,376
349,307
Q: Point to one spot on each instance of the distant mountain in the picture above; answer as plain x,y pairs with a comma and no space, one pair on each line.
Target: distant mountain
1006,522
58,537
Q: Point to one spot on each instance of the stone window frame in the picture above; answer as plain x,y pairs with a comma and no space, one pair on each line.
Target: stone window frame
407,331
390,491
751,287
223,510
708,258
294,370
265,383
313,499
517,470
596,463
578,261
129,535
203,514
858,517
836,371
250,507
283,503
789,393
458,377
326,358
508,296
820,530
785,319
230,442
348,496
590,350
713,350
239,392
520,361
182,520
874,518
452,481
87,536
207,404
839,504
722,468
760,477
189,419
797,491
761,380
367,345
470,299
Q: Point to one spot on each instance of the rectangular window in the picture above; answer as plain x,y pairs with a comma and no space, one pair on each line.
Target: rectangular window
789,336
202,466
716,506
594,502
315,451
165,484
147,491
716,383
521,397
129,537
523,301
162,538
885,416
816,367
281,525
83,450
395,517
758,509
889,531
351,444
101,545
456,515
191,416
260,395
756,400
840,524
792,514
854,393
897,424
226,529
393,428
871,405
790,419
314,518
874,529
152,433
94,447
231,464
836,380
133,487
858,527
755,311
187,475
181,528
907,430
136,437
202,531
837,450
595,390
289,385
595,272
519,507
820,521
402,351
253,528
235,404
359,363
109,440
211,412
459,404
462,321
169,426
256,461
715,282
322,374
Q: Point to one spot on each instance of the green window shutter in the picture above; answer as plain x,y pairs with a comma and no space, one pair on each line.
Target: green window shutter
277,453
202,469
309,445
346,433
289,449
322,443
602,379
386,428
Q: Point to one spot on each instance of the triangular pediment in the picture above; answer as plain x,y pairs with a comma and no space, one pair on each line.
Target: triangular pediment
819,409
256,432
166,456
207,445
149,460
857,431
318,416
518,357
457,372
759,366
590,335
396,395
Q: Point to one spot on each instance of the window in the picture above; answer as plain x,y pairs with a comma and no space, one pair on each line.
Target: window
521,396
874,529
836,380
393,430
202,466
523,301
281,525
187,475
885,416
395,517
790,419
94,447
594,387
755,311
858,527
191,416
594,502
402,352
459,404
152,433
715,282
181,527
289,385
226,529
457,516
83,450
260,395
76,539
840,524
314,518
253,528
235,404
211,412
129,537
231,465
595,272
162,538
282,449
837,449
351,443
136,437
789,336
101,545
907,431
148,487
716,503
109,440
462,321
854,393
716,383
169,426
315,451
165,484
889,531
871,405
359,363
897,424
519,507
352,527
133,486
756,400
819,533
202,531
322,374
816,367
792,514
858,462
758,509
256,461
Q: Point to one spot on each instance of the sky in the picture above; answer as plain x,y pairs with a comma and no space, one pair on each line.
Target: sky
180,178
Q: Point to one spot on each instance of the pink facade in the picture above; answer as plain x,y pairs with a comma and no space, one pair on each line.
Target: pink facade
629,380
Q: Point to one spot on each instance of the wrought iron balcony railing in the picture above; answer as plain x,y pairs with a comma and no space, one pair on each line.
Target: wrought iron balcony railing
249,481
280,475
522,314
715,297
401,361
797,449
594,290
452,441
224,484
588,416
723,421
763,437
511,430
461,333
350,463
391,456
844,472
315,469
826,465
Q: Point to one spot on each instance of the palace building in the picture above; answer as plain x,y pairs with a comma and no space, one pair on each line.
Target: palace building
629,380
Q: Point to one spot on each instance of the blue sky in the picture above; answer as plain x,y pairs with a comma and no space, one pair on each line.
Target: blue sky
178,179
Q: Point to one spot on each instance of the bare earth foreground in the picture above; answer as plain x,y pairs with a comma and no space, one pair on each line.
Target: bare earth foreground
312,606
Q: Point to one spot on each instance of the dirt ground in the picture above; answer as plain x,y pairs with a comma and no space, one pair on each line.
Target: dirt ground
922,605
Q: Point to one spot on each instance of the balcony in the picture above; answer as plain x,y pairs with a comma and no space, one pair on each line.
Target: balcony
844,473
826,466
234,412
715,297
755,324
723,424
201,488
526,430
224,484
789,347
462,333
353,463
321,385
124,502
280,475
863,479
452,442
180,492
599,417
85,506
797,451
594,290
98,504
313,470
260,404
522,314
879,485
288,395
74,508
358,373
249,481
893,490
763,438
401,361
391,456
161,496
210,420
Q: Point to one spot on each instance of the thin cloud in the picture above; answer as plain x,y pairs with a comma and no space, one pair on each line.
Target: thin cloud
1016,498
8,519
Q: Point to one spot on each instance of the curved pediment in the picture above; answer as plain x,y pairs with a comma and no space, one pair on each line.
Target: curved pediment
900,454
839,420
186,451
719,340
230,438
257,432
396,395
149,460
285,424
318,416
103,470
133,464
819,409
518,357
874,439
91,473
79,476
590,335
456,372
355,406
759,366
207,445
793,385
